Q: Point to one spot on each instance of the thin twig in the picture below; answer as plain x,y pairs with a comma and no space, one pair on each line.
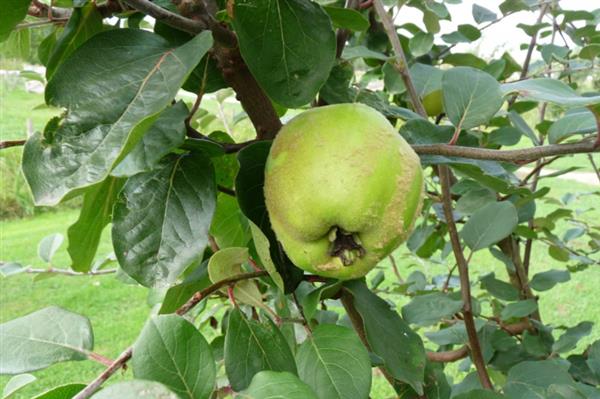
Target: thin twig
226,190
532,44
68,272
518,156
193,301
167,17
465,285
105,375
400,64
591,158
305,322
395,269
537,169
11,143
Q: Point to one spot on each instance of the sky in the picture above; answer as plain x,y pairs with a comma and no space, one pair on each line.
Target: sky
503,36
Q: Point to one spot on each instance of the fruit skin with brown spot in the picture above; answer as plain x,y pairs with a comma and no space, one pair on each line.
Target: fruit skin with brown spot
342,188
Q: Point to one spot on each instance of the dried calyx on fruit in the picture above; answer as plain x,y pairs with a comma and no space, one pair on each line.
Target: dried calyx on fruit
342,188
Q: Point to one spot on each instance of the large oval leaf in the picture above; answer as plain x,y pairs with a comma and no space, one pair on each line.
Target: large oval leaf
289,46
167,133
390,337
251,347
107,112
13,12
273,384
490,224
43,338
84,23
335,363
161,219
471,97
550,90
96,212
170,350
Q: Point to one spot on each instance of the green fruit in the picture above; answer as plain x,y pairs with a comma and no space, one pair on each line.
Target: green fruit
433,103
342,188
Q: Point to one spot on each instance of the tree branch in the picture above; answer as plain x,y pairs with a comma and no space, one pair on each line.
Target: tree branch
400,64
465,285
167,17
68,272
520,155
193,301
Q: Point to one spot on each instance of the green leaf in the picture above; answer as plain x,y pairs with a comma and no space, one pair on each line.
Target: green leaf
552,52
84,23
453,335
251,347
568,341
480,394
489,225
13,12
179,294
16,383
590,51
389,336
251,199
288,45
165,134
531,379
482,14
105,117
428,309
471,97
135,389
426,78
506,135
550,90
230,227
273,384
474,200
96,212
499,289
519,309
43,338
49,245
227,262
10,269
170,350
161,219
544,281
352,52
420,44
347,18
66,391
263,246
335,363
575,121
465,60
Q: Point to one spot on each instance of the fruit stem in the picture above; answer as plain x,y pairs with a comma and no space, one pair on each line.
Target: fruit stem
345,245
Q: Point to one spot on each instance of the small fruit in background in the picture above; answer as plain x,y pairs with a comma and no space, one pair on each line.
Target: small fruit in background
342,188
